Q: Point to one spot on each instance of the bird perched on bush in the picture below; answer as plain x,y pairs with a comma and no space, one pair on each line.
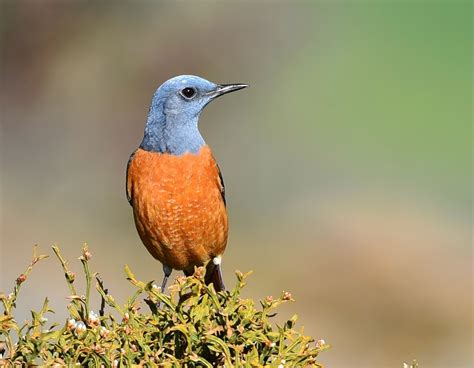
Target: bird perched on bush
174,184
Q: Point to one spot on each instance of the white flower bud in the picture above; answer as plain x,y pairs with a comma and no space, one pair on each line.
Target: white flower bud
104,332
93,319
80,327
71,324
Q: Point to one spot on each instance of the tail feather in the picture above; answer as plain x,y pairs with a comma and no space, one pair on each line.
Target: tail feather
214,276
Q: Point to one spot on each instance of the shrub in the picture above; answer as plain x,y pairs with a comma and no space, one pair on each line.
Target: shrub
193,326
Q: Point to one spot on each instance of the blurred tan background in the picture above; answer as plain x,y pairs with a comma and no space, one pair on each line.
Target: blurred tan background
347,163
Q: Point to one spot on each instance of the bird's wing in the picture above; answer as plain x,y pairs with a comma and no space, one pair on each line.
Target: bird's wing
221,184
128,184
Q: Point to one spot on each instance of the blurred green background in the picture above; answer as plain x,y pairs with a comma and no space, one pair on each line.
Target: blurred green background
347,163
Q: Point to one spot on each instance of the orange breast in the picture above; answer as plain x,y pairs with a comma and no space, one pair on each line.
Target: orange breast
178,206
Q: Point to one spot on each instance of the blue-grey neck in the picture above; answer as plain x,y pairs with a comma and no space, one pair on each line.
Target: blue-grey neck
169,131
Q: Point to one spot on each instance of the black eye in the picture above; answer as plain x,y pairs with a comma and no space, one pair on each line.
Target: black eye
188,92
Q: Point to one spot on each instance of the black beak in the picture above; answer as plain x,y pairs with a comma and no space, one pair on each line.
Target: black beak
222,89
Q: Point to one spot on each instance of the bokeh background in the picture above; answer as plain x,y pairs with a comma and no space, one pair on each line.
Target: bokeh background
347,163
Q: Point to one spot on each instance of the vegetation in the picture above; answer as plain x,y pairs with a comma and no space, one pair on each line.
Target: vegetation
192,327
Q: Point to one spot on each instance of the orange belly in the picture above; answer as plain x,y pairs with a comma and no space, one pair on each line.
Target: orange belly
178,206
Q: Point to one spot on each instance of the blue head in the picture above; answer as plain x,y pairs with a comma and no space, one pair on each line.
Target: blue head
172,124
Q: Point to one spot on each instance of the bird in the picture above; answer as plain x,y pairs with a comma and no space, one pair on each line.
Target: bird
174,184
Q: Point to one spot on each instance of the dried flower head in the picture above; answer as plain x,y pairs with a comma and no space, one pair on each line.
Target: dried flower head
199,272
86,254
320,343
21,279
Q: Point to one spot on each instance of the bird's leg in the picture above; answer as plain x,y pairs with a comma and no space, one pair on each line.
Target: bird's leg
167,270
220,280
